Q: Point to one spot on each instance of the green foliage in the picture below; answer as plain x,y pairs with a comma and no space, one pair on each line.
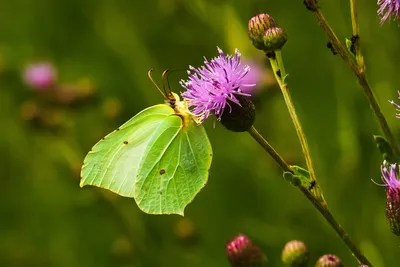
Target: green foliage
47,220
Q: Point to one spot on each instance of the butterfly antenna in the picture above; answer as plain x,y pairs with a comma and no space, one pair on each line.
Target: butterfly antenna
166,86
151,79
165,78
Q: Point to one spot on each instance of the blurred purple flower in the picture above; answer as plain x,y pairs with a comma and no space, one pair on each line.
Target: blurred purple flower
40,75
396,105
388,8
213,86
253,77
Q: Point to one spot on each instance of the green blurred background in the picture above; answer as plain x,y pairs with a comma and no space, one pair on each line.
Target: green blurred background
108,46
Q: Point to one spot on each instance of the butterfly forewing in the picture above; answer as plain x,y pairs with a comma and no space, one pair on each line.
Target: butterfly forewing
114,161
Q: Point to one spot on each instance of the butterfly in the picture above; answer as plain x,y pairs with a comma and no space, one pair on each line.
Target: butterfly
160,157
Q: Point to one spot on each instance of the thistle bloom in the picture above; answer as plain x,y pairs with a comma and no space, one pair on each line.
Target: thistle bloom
388,8
391,181
40,75
396,105
216,85
243,253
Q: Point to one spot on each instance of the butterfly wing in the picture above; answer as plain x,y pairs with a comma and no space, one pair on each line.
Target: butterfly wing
175,167
158,157
113,163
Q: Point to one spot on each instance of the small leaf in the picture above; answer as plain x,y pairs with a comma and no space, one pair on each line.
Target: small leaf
291,178
385,148
349,45
284,78
302,178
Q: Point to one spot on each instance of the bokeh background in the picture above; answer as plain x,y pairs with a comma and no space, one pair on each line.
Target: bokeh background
102,51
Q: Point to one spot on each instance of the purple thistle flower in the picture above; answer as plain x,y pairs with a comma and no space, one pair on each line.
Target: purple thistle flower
215,85
391,181
388,8
396,105
40,75
389,177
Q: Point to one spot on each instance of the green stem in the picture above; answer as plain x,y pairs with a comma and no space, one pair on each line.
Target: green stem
319,206
280,75
357,67
356,36
270,150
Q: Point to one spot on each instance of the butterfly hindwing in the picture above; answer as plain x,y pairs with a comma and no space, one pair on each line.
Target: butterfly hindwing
174,169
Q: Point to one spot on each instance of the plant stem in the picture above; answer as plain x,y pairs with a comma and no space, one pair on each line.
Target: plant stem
270,150
356,36
321,208
280,75
357,68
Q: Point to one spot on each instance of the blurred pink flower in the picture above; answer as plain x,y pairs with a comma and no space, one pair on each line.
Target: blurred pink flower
40,75
253,77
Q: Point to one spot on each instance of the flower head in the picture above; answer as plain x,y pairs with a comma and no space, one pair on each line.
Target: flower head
295,254
243,253
396,105
389,177
40,75
388,8
392,183
257,27
216,85
329,260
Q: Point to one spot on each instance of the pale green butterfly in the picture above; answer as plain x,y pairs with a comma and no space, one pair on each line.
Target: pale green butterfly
161,157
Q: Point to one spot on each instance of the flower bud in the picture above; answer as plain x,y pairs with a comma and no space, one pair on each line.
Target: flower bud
392,183
295,254
393,209
329,260
258,25
243,253
274,39
239,118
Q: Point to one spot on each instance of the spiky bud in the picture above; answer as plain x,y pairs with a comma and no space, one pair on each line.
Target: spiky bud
243,253
329,260
274,39
258,25
295,254
239,118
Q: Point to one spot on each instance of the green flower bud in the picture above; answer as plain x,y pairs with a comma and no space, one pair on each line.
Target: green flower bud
258,25
295,254
243,253
239,118
274,39
329,260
